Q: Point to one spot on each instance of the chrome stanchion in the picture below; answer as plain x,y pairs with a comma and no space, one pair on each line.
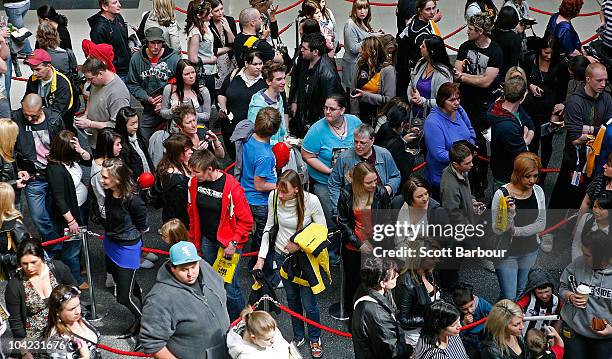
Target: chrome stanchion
336,310
93,312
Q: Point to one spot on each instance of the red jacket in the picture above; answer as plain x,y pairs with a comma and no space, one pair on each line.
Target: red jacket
236,219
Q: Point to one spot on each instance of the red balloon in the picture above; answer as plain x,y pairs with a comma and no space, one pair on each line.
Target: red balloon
146,180
281,152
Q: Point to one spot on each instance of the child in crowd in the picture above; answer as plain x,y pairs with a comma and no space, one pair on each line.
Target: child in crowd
174,231
544,346
539,298
472,309
256,337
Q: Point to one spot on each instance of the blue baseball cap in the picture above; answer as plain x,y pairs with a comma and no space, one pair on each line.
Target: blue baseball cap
183,252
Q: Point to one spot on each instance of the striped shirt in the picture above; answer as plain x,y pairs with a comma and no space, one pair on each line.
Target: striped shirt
607,33
454,350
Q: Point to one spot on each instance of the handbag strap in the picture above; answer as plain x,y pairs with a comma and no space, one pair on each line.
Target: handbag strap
275,211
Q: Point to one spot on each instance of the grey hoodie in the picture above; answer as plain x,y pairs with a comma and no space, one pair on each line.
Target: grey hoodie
599,303
188,324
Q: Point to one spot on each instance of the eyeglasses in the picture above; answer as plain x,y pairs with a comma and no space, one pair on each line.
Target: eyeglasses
35,117
330,109
72,293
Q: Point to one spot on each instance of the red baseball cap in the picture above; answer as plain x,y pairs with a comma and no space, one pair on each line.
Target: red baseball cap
38,57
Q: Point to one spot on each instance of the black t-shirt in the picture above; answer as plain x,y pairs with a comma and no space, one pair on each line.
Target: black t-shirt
210,194
239,96
526,213
511,45
477,62
266,50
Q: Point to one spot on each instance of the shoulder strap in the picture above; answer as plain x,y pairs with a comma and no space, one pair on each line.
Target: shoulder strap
275,211
365,298
251,42
234,73
504,191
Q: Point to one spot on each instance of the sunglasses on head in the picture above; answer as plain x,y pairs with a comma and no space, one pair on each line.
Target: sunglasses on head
72,293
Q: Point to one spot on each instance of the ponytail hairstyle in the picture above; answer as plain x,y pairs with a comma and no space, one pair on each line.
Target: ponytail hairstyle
291,177
257,323
45,12
174,231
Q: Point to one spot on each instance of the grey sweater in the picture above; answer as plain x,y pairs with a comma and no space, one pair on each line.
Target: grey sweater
438,79
385,92
456,197
353,37
190,325
599,303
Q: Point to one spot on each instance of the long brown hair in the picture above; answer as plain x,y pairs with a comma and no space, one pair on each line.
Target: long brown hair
120,172
360,4
175,145
375,55
195,8
290,177
361,170
57,300
61,149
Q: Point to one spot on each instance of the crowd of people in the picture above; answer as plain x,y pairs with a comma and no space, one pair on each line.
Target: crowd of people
320,161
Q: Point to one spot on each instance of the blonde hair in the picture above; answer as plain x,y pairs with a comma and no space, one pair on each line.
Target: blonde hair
361,170
163,12
500,317
362,4
413,263
8,137
523,163
514,71
8,211
257,323
174,231
373,54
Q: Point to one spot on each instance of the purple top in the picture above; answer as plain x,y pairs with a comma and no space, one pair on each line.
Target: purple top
424,88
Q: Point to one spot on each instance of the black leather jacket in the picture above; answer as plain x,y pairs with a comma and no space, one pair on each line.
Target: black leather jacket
8,174
490,350
411,299
346,217
324,82
8,258
376,333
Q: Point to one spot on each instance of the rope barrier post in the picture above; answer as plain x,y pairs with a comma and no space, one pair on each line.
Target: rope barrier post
93,315
336,310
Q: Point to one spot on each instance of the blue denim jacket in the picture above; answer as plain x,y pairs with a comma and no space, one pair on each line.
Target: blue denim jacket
385,167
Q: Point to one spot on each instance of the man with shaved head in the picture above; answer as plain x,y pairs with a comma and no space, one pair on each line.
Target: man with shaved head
250,37
37,128
585,111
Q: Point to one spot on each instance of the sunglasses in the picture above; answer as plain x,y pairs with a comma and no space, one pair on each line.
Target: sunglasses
72,293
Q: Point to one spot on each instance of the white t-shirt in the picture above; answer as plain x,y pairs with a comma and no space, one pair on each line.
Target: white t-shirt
76,172
205,50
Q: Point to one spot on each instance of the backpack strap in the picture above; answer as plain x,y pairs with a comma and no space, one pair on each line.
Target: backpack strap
251,42
365,298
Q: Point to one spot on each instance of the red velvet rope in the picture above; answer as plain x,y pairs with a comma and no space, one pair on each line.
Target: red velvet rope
543,12
55,241
124,352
